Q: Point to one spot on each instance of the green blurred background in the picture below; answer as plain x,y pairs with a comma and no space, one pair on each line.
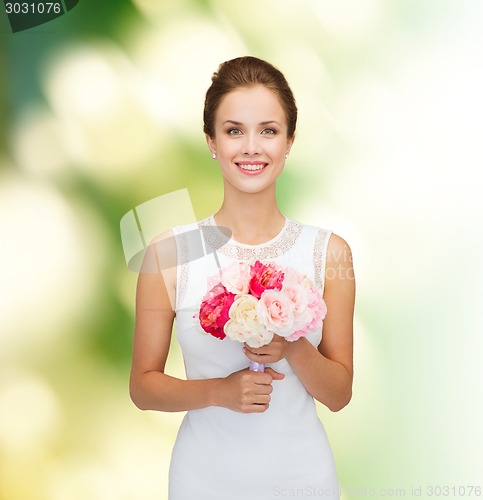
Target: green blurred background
102,110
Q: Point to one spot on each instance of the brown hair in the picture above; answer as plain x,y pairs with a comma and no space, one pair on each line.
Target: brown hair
247,71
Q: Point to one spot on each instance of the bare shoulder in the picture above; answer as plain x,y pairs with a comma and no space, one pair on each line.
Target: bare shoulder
162,236
338,250
157,276
163,247
339,261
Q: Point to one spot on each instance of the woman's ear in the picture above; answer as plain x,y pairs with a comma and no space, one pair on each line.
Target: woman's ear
211,144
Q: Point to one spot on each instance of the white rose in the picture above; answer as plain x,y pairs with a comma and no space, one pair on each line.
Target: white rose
244,324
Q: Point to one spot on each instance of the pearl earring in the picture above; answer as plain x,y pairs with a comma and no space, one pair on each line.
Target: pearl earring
286,155
213,155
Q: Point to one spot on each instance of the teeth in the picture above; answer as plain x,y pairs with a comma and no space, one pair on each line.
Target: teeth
252,167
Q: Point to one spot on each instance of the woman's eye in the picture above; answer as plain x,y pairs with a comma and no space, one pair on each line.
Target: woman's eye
234,131
269,131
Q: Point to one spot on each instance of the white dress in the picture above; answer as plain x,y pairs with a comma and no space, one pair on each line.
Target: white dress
220,454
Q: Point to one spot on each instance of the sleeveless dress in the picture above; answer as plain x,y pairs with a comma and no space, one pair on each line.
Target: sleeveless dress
220,454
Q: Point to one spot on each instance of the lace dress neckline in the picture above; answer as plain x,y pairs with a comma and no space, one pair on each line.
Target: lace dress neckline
271,249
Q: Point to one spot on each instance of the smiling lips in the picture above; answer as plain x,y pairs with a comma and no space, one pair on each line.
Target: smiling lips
251,166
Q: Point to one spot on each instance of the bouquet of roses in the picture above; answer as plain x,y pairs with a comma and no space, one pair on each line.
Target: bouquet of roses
252,302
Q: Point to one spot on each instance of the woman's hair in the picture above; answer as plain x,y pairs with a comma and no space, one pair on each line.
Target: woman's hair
247,71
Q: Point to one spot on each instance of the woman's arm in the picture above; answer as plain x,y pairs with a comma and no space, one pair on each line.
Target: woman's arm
326,372
150,388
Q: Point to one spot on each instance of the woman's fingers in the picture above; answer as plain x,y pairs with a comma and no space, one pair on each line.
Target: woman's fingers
274,374
248,391
252,350
254,357
262,399
269,353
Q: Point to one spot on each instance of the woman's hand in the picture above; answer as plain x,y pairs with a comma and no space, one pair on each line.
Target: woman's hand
276,350
246,391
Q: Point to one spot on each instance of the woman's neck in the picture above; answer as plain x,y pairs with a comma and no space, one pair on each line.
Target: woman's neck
251,217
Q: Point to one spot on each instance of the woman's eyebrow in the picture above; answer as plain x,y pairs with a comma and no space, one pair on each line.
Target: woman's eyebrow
268,122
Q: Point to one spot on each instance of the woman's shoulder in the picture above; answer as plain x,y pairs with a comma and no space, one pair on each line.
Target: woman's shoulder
160,253
163,235
338,257
189,226
338,249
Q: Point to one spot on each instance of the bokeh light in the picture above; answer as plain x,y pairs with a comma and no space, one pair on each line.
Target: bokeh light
48,265
94,91
23,431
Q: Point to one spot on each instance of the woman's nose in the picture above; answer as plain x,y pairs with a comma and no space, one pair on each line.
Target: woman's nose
251,144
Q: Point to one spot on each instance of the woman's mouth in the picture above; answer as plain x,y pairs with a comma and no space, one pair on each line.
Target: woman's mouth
251,167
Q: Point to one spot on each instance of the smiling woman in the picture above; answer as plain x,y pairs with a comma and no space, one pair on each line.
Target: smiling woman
248,434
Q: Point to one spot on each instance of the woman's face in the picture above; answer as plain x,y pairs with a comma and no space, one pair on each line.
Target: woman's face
250,138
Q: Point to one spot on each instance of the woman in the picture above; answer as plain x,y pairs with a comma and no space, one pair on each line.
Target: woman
247,435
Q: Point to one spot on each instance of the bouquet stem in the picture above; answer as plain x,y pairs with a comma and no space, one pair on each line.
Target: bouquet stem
256,367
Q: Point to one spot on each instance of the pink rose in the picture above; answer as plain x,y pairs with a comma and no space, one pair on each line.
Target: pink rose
292,275
264,277
214,310
236,278
276,311
318,311
214,280
298,294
